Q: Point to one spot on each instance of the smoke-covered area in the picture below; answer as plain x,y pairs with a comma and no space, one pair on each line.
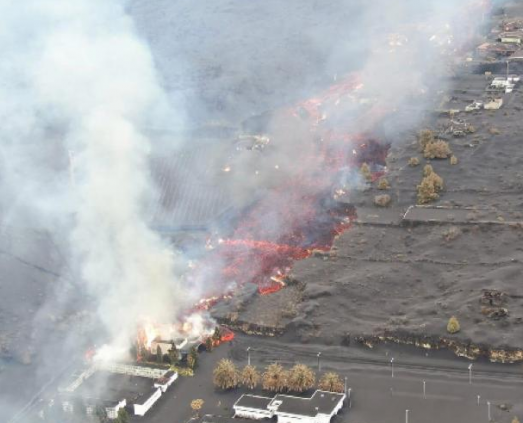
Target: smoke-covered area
88,84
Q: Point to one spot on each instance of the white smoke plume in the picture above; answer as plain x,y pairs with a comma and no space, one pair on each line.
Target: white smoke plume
85,87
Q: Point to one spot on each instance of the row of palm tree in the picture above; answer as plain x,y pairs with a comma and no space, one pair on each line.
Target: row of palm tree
275,378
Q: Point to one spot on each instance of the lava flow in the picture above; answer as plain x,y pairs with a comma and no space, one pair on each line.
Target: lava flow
300,215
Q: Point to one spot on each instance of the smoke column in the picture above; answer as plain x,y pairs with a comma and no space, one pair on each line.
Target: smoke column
86,79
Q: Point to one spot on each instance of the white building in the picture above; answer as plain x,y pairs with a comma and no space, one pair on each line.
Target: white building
166,380
253,407
117,386
142,404
320,408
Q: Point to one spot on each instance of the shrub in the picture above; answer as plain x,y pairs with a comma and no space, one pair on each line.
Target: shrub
453,325
331,382
413,161
427,170
301,378
225,375
365,172
494,131
426,192
382,200
437,150
425,137
453,160
451,233
430,185
436,180
515,420
383,184
197,404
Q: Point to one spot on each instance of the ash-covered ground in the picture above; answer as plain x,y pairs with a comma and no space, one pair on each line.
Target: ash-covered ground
405,279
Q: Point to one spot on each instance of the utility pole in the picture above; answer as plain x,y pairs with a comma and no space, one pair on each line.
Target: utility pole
319,363
406,416
350,398
424,389
392,367
248,356
488,411
479,396
470,373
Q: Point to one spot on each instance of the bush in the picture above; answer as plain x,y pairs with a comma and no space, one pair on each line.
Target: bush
413,161
427,170
436,180
437,150
365,172
383,184
451,234
430,186
453,160
453,325
425,137
494,131
382,200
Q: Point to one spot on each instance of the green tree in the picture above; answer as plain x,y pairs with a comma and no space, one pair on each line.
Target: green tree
101,414
225,375
159,355
217,335
174,354
123,416
301,378
209,344
192,358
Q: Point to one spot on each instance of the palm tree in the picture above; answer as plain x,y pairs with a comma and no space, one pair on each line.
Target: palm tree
250,377
331,382
274,378
301,378
225,375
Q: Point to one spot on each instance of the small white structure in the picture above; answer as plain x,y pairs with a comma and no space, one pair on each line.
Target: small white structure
143,404
112,410
320,408
166,380
494,104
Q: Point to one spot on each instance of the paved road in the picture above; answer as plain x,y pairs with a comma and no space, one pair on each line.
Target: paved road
377,397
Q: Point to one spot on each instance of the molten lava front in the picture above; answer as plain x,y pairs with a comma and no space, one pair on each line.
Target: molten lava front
301,214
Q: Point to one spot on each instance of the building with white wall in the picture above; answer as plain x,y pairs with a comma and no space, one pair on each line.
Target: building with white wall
319,408
116,386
